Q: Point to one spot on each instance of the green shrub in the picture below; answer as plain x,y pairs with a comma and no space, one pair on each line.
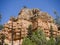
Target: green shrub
27,41
51,42
6,44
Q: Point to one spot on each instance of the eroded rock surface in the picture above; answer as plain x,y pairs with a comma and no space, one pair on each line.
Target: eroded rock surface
26,17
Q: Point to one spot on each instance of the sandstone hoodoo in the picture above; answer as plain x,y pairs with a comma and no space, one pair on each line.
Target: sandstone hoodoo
26,17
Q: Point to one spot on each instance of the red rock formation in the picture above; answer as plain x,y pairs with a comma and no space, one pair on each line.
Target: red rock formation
26,17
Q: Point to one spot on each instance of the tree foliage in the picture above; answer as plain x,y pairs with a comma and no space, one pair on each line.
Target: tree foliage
2,38
27,41
1,27
58,40
29,32
37,38
51,31
57,19
51,41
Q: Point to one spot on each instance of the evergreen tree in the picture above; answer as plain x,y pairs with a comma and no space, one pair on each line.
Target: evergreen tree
12,30
58,40
51,41
39,37
36,38
30,32
51,31
57,19
2,38
27,41
1,26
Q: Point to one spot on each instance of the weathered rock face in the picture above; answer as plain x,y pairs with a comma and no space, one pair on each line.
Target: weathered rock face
25,14
26,17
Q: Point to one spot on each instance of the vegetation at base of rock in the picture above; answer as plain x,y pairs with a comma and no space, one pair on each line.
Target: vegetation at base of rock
38,38
51,31
27,41
58,40
51,41
2,38
6,44
29,32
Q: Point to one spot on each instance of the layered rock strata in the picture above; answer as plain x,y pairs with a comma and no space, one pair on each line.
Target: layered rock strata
26,17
